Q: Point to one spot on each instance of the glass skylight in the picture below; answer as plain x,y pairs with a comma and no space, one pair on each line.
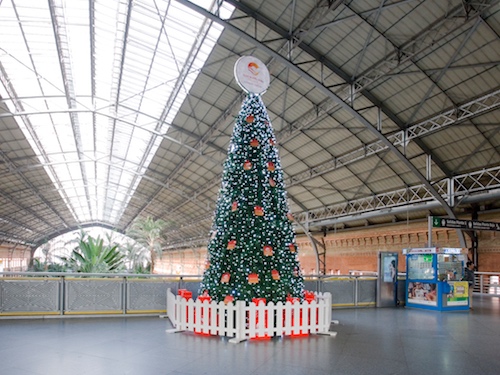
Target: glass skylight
92,83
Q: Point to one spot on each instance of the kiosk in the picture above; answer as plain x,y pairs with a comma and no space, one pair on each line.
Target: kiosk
433,278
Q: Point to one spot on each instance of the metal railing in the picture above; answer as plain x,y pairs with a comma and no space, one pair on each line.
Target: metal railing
487,283
59,293
65,294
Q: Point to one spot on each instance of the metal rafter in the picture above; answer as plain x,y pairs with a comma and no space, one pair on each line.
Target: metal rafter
313,114
61,40
427,38
202,142
156,181
434,33
308,24
473,108
21,208
444,70
368,39
340,192
114,117
481,145
345,106
310,21
469,187
12,165
93,90
14,239
115,98
40,241
417,197
159,123
338,106
366,13
350,91
435,82
329,105
179,84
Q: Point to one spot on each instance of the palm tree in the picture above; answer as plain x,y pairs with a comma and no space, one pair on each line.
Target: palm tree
148,233
92,256
137,258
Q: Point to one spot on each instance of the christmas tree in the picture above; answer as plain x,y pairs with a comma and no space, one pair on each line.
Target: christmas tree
252,252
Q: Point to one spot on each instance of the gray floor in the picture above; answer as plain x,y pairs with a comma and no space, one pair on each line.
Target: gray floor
369,341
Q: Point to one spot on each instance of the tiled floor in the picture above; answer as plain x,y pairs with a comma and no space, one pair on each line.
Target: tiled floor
369,341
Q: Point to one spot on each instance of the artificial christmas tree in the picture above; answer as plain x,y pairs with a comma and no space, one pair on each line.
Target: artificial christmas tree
252,239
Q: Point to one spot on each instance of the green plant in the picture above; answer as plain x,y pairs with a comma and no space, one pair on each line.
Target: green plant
92,256
148,233
39,266
137,258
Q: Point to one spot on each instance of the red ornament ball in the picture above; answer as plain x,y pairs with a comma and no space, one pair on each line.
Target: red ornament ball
225,278
309,296
253,278
275,274
247,165
268,251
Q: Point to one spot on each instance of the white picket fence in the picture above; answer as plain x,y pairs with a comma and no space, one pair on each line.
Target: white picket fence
241,321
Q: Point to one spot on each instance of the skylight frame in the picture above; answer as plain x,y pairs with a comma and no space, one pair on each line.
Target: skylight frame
95,111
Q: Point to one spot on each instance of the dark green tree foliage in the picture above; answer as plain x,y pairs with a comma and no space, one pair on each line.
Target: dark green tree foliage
252,216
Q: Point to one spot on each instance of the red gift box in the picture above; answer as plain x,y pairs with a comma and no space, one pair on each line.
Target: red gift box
184,293
309,296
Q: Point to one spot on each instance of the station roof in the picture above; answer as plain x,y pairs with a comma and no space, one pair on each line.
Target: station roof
384,111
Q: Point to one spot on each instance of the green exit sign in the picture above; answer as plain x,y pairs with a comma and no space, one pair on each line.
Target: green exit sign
441,222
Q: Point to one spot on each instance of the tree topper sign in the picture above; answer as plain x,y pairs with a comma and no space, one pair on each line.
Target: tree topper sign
251,74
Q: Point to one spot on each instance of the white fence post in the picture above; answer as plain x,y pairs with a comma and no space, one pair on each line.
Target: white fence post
253,321
240,322
174,312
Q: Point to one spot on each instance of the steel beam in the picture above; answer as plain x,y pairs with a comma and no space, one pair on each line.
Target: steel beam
473,108
328,93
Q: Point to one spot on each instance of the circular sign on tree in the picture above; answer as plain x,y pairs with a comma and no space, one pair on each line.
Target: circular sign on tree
252,75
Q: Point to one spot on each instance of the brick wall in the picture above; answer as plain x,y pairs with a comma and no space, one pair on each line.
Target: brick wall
356,250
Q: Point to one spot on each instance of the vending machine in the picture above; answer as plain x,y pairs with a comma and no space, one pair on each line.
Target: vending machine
434,278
